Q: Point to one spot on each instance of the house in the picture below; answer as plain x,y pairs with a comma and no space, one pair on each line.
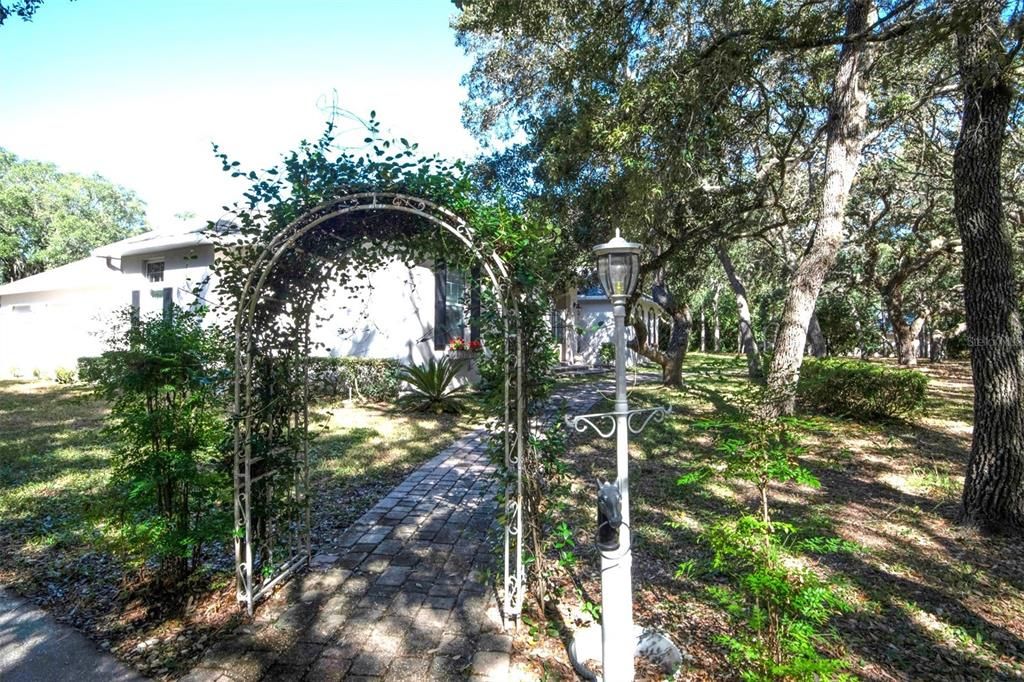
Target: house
49,320
582,321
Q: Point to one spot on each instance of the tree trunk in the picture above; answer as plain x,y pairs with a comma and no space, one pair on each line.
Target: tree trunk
903,340
903,333
747,340
703,330
994,487
671,359
816,339
845,132
678,342
716,335
937,346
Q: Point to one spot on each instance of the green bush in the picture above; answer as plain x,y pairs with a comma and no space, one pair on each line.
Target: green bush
607,353
780,612
89,368
366,378
779,608
164,377
860,389
63,375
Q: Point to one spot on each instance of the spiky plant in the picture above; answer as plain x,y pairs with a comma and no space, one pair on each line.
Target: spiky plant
431,388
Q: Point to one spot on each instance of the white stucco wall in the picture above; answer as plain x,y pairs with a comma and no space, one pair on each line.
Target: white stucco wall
391,317
594,316
41,331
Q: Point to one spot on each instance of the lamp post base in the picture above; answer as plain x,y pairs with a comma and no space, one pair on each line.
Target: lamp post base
648,644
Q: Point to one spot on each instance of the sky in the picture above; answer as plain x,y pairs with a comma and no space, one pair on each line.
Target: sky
137,90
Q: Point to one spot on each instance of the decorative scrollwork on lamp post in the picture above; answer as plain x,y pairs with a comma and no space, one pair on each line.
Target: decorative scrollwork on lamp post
618,268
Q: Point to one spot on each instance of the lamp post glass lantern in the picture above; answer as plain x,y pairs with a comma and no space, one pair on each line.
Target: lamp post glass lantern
618,268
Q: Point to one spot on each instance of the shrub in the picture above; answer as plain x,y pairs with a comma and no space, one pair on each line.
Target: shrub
63,375
367,378
163,376
431,388
860,389
778,607
607,353
89,368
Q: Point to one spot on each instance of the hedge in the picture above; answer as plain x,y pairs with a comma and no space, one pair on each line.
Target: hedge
860,389
366,378
369,379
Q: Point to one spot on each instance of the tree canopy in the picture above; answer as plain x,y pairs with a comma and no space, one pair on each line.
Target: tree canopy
49,218
809,145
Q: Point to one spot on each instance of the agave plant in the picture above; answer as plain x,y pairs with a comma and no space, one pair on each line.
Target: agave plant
431,386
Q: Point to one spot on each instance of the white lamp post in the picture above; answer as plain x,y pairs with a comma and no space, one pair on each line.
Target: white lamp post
618,268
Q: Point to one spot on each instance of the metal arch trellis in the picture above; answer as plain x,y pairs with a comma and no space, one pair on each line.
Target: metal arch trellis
255,538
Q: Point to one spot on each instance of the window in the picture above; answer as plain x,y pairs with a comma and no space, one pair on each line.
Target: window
557,322
455,303
155,270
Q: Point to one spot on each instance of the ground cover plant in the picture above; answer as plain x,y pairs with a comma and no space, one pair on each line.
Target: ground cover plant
926,598
58,540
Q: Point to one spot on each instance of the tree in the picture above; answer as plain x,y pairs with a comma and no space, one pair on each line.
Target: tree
681,321
49,218
22,8
748,339
618,138
846,131
166,379
903,236
691,122
994,486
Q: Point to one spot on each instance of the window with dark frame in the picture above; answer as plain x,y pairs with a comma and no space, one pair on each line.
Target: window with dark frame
155,270
456,305
455,285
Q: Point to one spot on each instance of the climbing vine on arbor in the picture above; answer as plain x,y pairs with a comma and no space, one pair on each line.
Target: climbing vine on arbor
329,217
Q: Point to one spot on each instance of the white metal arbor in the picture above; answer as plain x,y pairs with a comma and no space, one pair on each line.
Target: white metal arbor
271,456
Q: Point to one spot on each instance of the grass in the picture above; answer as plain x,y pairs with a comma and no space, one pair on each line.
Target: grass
58,540
932,600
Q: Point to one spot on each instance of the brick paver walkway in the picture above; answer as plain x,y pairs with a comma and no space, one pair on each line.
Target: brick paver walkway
411,595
